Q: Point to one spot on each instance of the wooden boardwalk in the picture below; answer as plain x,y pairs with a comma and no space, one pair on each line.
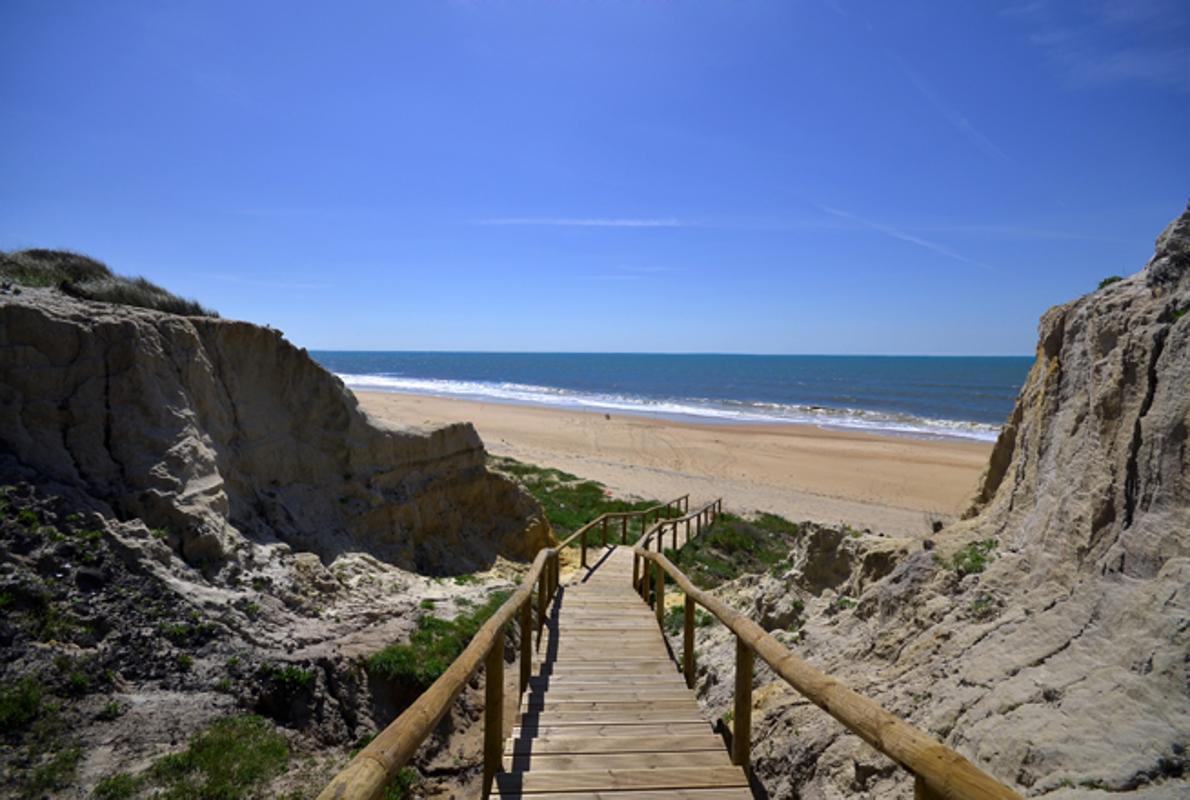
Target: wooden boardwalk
606,714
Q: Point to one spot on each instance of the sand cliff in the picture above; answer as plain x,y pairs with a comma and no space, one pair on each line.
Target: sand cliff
1045,636
223,432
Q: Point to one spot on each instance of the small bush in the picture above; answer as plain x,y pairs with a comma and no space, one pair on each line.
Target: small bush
225,762
1109,280
111,710
20,703
402,785
675,619
974,558
289,678
432,647
117,787
185,661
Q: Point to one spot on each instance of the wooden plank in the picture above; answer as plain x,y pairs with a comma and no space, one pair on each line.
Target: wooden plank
598,780
642,743
647,729
609,717
612,694
549,707
643,760
665,794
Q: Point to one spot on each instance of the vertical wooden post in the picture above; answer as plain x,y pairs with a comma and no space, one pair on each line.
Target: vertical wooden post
583,545
741,726
660,596
687,529
635,572
526,642
675,527
922,790
623,530
645,586
605,531
493,712
688,643
542,599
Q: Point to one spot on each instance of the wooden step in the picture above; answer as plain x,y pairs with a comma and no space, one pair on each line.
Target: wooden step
715,757
621,779
637,742
634,730
664,794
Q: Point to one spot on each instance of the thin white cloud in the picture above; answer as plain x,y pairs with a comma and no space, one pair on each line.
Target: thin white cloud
1114,41
905,236
1015,232
953,116
589,222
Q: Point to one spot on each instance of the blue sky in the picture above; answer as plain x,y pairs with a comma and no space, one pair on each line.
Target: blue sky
821,176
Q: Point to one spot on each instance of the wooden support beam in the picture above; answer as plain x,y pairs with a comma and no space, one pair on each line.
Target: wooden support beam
741,723
583,548
542,599
526,643
605,531
660,590
688,643
493,713
623,530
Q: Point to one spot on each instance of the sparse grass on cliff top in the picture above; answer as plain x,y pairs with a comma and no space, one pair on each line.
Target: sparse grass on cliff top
84,277
734,546
569,501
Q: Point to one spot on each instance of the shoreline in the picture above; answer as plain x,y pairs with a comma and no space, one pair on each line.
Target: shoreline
888,483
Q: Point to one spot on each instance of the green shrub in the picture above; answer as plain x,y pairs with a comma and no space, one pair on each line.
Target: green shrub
675,619
20,703
185,661
290,678
117,787
227,761
432,647
402,785
733,546
974,557
1109,280
111,710
52,775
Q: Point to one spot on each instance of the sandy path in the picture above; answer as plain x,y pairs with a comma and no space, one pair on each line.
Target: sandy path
891,484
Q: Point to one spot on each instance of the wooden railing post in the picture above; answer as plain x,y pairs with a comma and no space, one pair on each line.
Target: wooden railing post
645,586
687,530
675,527
688,643
623,530
660,599
526,642
583,548
493,712
741,726
605,531
635,571
542,600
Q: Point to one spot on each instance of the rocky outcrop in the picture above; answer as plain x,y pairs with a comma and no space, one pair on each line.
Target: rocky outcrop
1046,635
223,433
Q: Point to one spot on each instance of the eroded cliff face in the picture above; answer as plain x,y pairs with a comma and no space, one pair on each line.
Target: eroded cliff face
223,433
1061,667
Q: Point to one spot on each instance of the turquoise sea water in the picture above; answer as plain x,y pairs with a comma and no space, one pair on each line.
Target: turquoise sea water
968,397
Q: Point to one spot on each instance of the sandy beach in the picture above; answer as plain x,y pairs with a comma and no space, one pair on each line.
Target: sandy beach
887,483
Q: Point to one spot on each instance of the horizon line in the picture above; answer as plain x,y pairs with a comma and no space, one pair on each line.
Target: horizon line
671,353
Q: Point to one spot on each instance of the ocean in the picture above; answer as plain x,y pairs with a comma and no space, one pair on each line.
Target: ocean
963,397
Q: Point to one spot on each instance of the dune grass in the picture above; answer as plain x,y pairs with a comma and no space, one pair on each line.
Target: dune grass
433,646
87,278
735,546
569,501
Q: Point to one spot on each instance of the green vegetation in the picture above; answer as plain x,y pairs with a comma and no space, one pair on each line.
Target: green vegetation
185,661
973,558
428,603
290,678
111,710
56,772
227,761
20,703
185,633
465,580
982,607
569,501
675,618
1180,313
117,787
85,277
432,647
403,785
1109,280
734,546
844,602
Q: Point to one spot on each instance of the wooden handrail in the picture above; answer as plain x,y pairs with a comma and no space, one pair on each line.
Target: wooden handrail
939,771
682,503
374,768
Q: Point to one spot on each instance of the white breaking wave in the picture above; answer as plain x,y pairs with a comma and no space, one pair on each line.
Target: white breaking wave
701,409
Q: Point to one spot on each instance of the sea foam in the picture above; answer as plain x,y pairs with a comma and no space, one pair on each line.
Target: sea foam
691,409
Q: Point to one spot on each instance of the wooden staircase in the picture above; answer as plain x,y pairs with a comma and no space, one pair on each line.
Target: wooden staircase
606,714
